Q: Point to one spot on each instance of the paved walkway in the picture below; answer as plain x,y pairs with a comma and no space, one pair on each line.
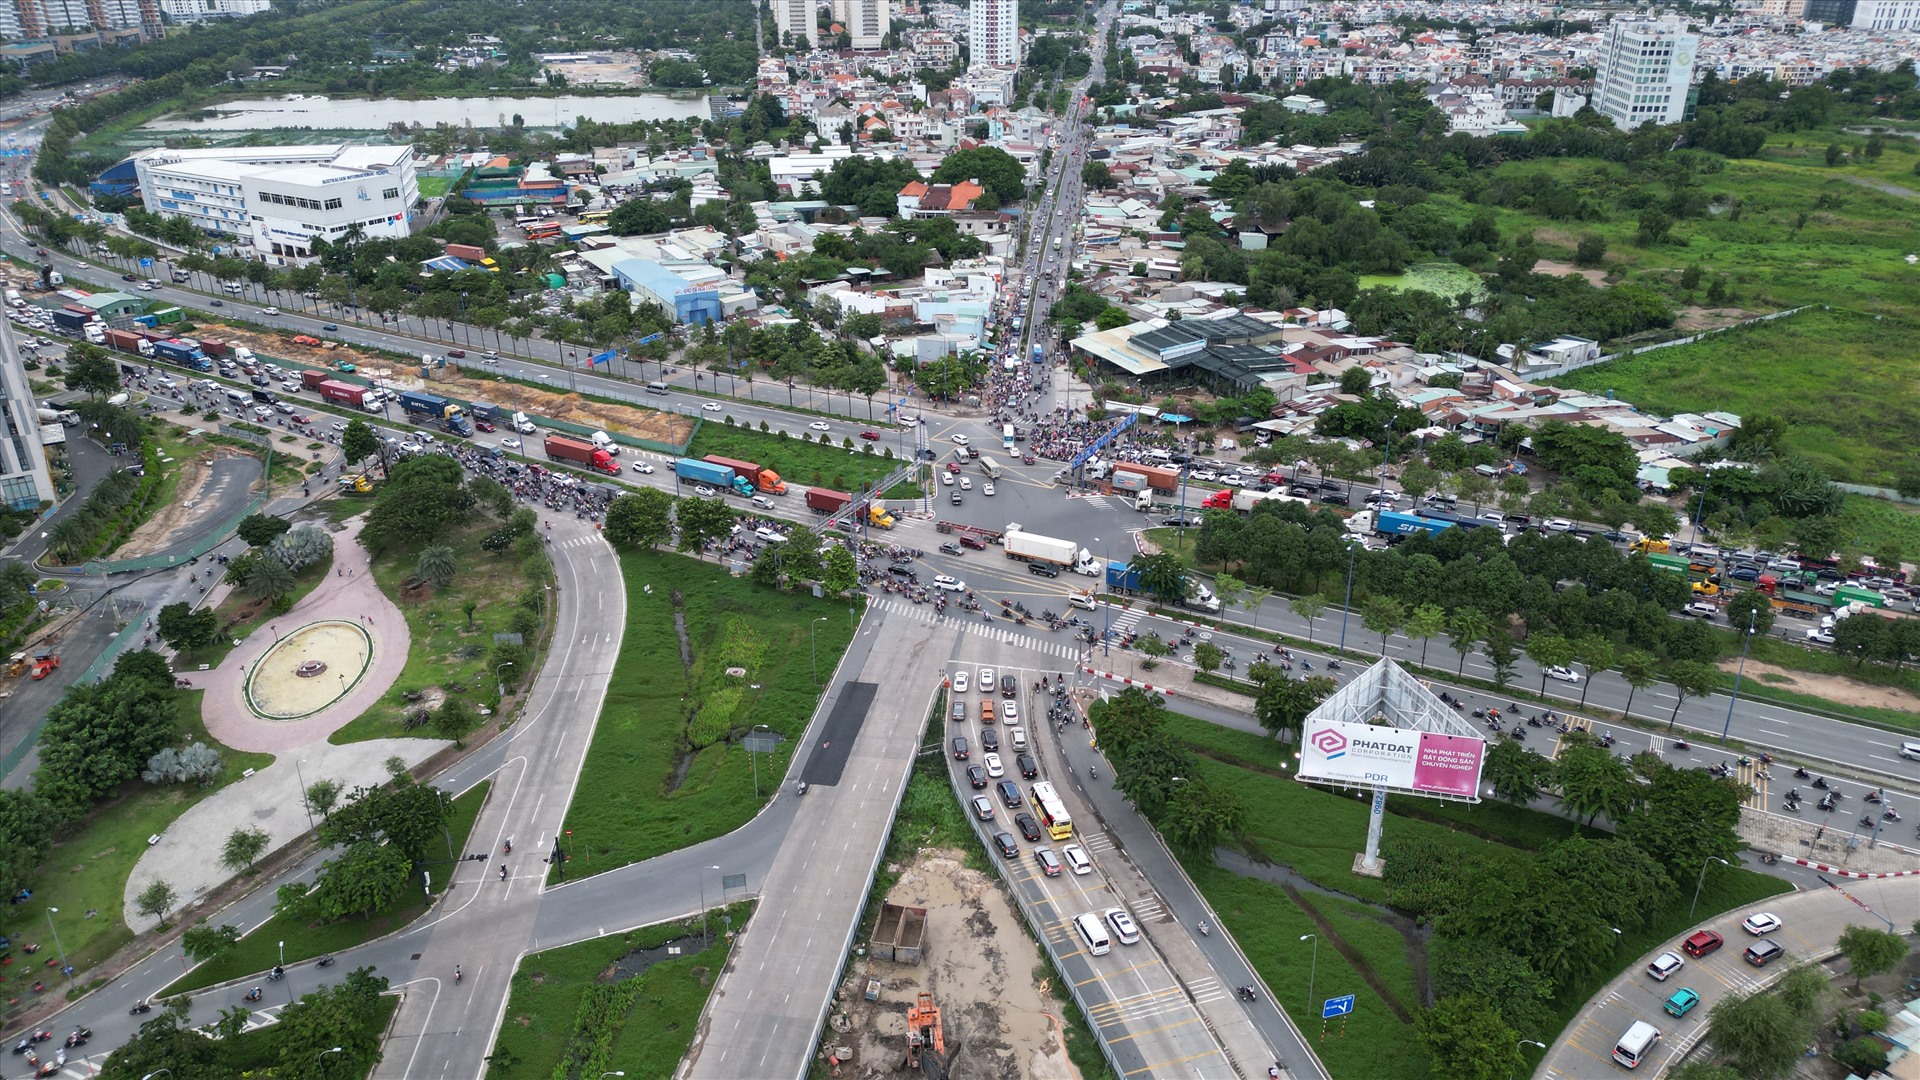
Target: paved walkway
187,855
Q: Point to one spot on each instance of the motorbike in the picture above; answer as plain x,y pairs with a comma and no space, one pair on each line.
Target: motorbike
1791,806
1867,822
325,961
1873,796
143,1007
1820,782
79,1037
1890,815
253,995
1825,803
1682,744
1801,772
1204,929
276,974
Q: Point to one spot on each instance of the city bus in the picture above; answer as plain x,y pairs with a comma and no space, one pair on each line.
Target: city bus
1006,437
545,230
589,217
1052,812
526,221
990,467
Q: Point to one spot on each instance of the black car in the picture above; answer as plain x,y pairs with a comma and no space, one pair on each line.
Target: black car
957,500
960,751
1182,522
1009,686
1007,845
128,277
976,776
1027,766
1009,793
901,569
1614,535
1336,498
1304,491
989,739
1332,485
951,548
1040,569
1028,825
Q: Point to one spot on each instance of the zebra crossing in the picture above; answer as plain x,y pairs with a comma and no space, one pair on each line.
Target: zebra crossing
991,630
1101,502
1127,619
1207,990
585,540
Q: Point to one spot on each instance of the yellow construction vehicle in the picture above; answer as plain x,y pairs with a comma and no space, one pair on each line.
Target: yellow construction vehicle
17,666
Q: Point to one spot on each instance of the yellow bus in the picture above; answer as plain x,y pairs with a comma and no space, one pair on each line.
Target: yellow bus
1052,812
590,217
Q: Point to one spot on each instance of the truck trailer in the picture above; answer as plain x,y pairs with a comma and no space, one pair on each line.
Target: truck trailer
1163,480
436,410
346,394
1394,523
311,379
762,479
561,448
705,472
127,341
825,501
1032,547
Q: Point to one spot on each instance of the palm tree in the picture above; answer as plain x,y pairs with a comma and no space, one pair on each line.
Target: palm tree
68,533
437,565
270,580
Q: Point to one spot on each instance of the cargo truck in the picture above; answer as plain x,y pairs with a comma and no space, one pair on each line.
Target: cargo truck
1394,523
1122,576
1143,501
436,410
1201,598
1650,545
127,341
311,379
1129,476
603,441
214,347
762,479
1846,594
878,517
347,394
1678,564
522,424
561,448
175,351
71,319
825,501
1032,547
705,472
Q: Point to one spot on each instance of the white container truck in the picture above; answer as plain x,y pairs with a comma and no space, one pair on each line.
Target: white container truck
1032,547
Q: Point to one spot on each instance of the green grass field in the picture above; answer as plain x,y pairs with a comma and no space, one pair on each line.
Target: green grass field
800,464
577,1006
1843,382
647,787
432,187
261,948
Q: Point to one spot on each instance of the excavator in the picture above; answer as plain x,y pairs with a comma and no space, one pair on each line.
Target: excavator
926,1043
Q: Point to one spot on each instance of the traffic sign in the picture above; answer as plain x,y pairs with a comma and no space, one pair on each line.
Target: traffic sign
1336,1006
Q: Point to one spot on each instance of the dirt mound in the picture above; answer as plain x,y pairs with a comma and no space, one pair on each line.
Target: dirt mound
985,974
670,428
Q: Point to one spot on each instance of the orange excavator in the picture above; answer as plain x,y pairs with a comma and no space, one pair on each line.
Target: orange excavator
926,1044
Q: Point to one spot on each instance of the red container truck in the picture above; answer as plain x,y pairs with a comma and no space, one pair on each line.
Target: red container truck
343,393
561,448
1164,481
312,379
826,501
214,347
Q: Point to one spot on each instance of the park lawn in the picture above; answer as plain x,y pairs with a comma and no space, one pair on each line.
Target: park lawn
544,1015
432,187
445,652
800,464
1850,251
87,869
260,949
646,788
1842,382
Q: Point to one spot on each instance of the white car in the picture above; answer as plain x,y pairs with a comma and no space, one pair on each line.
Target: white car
1076,859
821,425
959,682
1233,481
1123,927
1665,965
1560,674
712,406
269,311
966,484
992,762
769,535
1559,525
1205,474
640,466
410,447
1821,637
1759,923
704,491
986,488
946,478
986,680
510,443
959,439
1010,711
950,584
338,425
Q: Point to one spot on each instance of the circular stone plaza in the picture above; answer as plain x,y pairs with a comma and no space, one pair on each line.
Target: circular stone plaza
309,669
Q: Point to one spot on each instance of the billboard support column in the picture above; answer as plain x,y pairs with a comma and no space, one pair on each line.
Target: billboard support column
1376,821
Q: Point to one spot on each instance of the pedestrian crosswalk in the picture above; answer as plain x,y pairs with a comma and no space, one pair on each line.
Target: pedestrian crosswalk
997,630
1126,619
593,539
1101,502
1207,989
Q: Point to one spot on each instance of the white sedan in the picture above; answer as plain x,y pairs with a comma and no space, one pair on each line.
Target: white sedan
992,762
510,443
966,483
946,478
986,489
959,682
959,439
269,311
712,406
1565,675
950,584
821,425
640,466
1764,922
704,491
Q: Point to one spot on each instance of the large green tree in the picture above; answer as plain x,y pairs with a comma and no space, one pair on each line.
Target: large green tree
1467,1039
1759,1035
1003,177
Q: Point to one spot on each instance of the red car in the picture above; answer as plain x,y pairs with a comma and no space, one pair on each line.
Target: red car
457,354
301,418
870,436
1029,459
483,425
953,466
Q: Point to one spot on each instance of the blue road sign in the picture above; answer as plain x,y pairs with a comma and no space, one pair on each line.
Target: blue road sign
146,264
1333,1007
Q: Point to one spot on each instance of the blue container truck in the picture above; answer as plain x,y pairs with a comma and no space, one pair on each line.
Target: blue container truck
1462,520
706,472
1122,576
1394,523
175,351
436,410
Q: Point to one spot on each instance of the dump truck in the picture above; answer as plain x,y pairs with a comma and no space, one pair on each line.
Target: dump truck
825,501
562,448
128,341
706,472
1129,476
762,479
436,410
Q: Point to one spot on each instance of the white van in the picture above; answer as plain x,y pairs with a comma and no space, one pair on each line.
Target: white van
656,388
1636,1044
1093,932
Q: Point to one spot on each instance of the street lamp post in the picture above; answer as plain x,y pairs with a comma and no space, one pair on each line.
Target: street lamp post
1518,1045
1702,880
322,1056
1746,644
500,688
302,777
1346,605
65,968
814,643
756,761
1106,633
1313,967
705,940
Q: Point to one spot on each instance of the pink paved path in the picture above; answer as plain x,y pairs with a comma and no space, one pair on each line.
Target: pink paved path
229,720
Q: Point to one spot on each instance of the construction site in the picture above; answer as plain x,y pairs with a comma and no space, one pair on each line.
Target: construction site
949,985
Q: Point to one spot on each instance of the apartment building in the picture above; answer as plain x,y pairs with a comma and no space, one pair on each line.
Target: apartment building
1645,72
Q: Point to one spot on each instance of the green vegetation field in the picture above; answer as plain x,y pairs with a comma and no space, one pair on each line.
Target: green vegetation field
432,187
1362,951
666,769
578,1007
800,464
1843,382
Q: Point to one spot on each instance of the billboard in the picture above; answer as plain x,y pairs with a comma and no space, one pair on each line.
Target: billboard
1423,762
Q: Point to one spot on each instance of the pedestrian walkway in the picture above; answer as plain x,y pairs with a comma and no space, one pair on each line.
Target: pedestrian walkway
998,630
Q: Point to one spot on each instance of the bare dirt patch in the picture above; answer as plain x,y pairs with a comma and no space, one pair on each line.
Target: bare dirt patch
188,507
985,974
1831,687
1692,320
1595,276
